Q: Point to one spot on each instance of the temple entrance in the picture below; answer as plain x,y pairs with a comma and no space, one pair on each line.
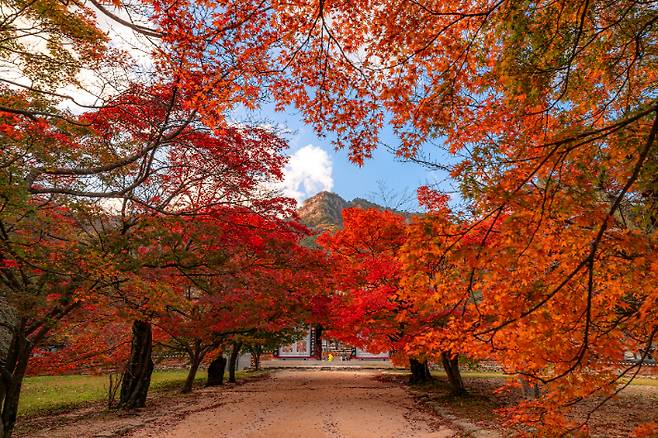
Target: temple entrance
338,350
298,349
331,349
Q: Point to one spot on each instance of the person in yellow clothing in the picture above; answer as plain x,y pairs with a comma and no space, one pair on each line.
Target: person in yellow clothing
330,357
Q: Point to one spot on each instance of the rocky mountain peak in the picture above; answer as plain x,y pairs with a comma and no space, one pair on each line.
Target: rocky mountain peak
324,210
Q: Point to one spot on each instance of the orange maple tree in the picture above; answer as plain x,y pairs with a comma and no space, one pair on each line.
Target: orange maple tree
550,106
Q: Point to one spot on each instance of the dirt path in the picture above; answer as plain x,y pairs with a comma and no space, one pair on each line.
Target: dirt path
323,403
307,404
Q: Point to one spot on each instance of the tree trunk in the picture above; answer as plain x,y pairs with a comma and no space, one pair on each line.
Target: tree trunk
191,375
318,342
419,372
137,376
255,357
196,356
451,365
113,388
216,371
12,380
233,361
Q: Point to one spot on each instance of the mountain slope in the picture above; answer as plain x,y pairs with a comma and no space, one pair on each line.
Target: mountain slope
324,210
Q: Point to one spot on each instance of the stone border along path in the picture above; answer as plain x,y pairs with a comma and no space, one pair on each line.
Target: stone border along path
467,428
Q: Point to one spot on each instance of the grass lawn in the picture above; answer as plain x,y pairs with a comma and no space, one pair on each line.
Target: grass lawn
51,393
637,381
645,381
641,380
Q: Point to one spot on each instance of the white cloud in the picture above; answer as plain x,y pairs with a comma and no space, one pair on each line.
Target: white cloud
308,172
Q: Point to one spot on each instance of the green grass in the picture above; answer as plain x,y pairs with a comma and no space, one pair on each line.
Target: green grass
641,381
481,374
55,393
645,381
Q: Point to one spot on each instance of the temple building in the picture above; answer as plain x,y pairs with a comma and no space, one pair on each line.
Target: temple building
313,346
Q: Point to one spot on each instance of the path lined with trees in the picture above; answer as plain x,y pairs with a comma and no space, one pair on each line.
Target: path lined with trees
291,403
347,403
136,215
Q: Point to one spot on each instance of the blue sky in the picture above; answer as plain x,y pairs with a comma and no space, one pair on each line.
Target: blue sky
315,165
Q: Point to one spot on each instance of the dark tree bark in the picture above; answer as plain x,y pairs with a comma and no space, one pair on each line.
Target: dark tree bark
318,342
233,361
191,375
24,336
13,372
196,355
420,372
137,376
451,365
216,371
